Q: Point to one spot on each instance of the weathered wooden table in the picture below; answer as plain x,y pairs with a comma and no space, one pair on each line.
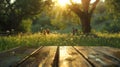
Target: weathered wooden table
62,56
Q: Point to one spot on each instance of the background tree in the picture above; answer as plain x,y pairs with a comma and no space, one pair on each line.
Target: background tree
113,6
13,14
113,14
84,12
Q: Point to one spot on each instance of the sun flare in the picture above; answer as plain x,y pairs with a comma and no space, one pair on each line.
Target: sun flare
63,3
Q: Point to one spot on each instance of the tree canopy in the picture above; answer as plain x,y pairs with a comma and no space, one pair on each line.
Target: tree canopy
113,6
12,14
113,11
83,11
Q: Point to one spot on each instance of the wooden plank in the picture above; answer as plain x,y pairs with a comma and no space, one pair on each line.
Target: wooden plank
12,56
69,57
44,58
113,52
97,58
27,57
65,56
13,50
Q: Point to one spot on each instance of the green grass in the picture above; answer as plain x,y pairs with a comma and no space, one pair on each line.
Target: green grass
36,40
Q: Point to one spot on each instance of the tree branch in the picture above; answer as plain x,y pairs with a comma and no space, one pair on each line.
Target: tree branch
94,6
75,8
85,5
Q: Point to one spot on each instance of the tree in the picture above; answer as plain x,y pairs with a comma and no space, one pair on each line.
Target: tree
113,11
84,11
12,14
113,6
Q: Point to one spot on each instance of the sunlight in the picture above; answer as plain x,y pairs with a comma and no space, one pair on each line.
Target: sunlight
63,52
103,0
63,3
76,1
12,1
63,55
92,1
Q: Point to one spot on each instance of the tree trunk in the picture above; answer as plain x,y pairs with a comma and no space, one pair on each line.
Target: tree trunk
85,13
85,21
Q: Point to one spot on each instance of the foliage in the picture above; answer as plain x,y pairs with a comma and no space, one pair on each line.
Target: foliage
101,8
113,11
25,26
113,7
113,27
12,14
38,39
41,22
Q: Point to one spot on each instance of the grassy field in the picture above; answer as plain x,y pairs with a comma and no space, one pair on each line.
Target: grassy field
38,39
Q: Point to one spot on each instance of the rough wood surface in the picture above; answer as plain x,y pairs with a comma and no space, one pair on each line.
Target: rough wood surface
62,56
11,57
98,58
